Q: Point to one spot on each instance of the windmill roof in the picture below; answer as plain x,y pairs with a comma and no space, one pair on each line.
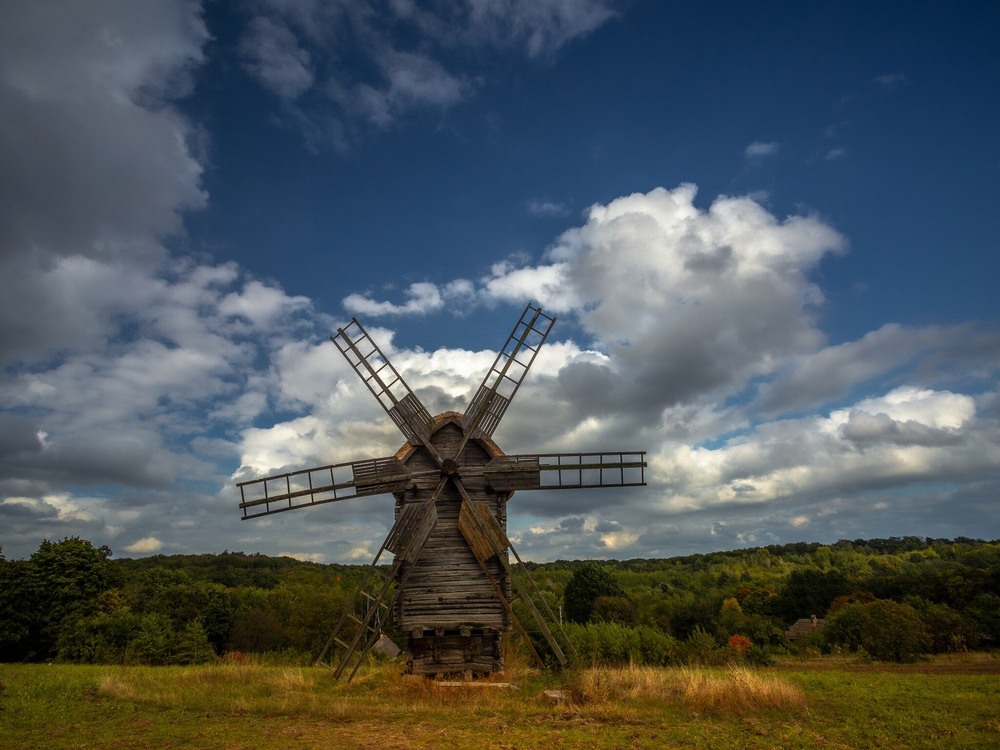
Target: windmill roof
458,419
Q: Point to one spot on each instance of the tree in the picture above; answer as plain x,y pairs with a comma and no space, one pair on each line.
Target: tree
192,645
16,605
256,630
589,582
810,591
885,629
617,609
66,578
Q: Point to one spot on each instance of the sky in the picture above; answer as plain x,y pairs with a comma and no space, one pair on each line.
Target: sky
769,234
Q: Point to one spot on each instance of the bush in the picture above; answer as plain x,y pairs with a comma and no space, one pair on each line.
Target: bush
883,629
609,644
700,647
124,637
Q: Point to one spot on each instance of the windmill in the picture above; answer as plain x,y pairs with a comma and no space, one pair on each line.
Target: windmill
451,584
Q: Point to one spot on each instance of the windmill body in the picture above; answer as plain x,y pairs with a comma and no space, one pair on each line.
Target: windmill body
451,583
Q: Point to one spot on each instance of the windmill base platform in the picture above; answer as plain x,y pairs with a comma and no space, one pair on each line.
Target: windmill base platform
467,651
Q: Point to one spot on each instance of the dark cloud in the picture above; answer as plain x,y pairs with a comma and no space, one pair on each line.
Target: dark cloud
862,428
18,436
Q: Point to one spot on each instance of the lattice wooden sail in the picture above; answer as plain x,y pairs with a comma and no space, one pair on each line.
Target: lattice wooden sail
507,373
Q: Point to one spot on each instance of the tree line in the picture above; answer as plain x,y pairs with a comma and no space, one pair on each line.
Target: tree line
892,598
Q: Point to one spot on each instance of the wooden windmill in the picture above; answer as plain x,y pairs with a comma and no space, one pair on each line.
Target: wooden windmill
451,584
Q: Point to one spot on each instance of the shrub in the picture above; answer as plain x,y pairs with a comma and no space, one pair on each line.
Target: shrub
883,629
700,647
608,643
739,643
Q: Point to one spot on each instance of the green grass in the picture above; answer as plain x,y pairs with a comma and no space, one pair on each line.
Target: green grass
799,704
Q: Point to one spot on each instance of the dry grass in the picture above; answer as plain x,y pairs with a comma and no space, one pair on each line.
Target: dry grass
735,690
739,690
266,707
234,687
244,689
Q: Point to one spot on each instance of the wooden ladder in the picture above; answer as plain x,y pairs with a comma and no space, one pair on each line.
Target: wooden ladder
356,634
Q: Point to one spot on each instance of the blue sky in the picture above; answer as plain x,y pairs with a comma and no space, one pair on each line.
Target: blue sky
769,235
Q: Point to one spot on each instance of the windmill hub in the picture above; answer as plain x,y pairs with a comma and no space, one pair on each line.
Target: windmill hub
449,468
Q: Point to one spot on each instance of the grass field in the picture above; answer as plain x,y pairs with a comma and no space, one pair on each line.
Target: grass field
945,703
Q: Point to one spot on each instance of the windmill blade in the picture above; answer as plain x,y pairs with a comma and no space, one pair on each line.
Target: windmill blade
385,383
509,369
560,471
323,484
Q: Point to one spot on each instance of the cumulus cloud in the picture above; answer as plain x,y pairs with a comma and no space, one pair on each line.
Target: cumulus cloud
906,436
115,351
423,298
702,326
142,382
688,302
146,545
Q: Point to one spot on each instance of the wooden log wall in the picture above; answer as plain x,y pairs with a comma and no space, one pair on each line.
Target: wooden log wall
449,608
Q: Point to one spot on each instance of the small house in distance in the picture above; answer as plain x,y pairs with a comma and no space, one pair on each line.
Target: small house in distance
803,627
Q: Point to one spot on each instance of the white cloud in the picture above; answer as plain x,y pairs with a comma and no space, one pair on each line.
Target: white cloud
315,557
261,305
274,57
705,322
908,435
424,297
417,57
120,355
759,150
145,545
547,208
891,80
140,381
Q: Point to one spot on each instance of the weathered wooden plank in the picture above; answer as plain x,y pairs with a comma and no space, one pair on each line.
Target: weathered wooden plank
410,532
481,530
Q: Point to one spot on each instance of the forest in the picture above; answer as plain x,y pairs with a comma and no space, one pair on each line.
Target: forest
890,599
